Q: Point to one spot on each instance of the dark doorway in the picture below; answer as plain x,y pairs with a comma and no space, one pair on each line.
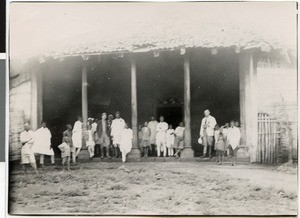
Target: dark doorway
172,115
160,87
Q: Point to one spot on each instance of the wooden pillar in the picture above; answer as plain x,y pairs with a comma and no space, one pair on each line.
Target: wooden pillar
84,98
242,107
84,154
135,152
188,152
248,102
36,98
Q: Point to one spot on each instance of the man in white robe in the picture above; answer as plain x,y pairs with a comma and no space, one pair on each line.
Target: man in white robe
77,135
152,126
125,142
42,143
27,155
161,130
207,132
118,124
234,138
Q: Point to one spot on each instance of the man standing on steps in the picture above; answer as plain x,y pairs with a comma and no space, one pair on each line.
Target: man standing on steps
207,132
118,124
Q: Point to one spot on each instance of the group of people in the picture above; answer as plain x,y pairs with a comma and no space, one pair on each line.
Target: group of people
108,133
160,138
105,132
226,139
32,143
115,137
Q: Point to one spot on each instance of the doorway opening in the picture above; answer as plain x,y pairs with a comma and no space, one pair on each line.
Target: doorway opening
172,115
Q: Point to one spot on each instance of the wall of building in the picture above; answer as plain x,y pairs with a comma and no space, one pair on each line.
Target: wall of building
277,93
19,109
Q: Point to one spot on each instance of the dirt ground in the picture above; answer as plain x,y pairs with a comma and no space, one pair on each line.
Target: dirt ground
155,188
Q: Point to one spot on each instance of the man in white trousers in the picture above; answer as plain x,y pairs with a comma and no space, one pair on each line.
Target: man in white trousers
161,130
207,132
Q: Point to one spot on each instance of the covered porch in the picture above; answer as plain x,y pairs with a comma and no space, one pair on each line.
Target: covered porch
179,84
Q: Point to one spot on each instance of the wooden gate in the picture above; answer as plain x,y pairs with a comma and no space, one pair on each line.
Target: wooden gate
268,139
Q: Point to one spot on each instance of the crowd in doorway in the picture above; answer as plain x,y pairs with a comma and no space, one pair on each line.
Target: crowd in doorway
111,137
160,138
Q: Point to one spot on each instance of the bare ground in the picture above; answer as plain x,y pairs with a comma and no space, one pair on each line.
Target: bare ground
160,188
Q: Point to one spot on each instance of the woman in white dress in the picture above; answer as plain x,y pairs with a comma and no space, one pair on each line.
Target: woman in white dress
42,143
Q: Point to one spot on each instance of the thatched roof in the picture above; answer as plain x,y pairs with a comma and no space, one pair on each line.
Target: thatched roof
140,28
144,40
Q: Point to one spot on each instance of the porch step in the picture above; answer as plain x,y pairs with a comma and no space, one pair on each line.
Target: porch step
167,159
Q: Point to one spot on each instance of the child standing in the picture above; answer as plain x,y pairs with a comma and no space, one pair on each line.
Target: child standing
179,134
170,140
126,142
140,139
225,131
68,133
234,137
65,152
219,143
90,143
145,136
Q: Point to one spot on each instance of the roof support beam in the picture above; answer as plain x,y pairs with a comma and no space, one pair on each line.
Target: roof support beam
188,152
84,94
135,153
36,98
248,103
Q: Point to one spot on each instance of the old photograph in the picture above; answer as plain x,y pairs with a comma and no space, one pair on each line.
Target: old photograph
152,108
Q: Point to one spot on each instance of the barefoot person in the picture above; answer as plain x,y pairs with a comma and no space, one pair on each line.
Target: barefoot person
225,130
110,118
117,126
220,140
77,135
145,135
207,132
42,144
68,133
152,126
64,147
102,135
179,143
161,130
170,140
233,137
126,137
90,142
27,155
